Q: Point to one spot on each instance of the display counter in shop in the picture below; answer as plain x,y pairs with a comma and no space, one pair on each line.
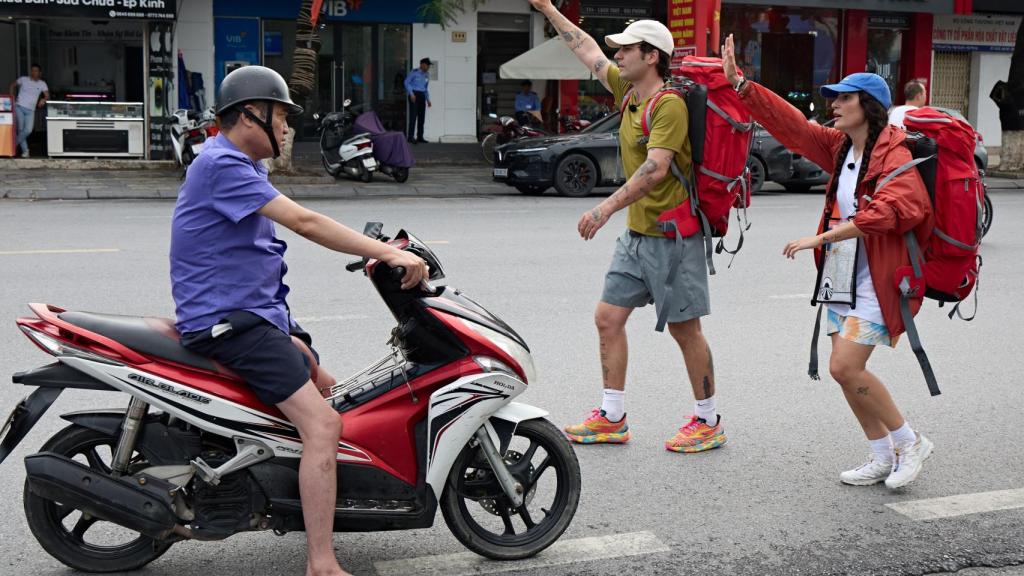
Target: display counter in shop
105,129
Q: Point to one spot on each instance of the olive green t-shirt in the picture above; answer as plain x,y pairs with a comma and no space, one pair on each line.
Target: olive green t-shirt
668,127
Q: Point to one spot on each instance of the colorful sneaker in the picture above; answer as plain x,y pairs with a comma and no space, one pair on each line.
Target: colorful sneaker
697,436
599,430
909,460
873,471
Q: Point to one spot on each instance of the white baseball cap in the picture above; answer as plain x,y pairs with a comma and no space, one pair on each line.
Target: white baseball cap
651,31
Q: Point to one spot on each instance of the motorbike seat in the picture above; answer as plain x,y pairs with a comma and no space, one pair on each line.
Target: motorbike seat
150,336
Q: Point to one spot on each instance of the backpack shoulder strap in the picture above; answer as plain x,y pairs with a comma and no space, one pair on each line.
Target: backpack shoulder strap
625,101
645,123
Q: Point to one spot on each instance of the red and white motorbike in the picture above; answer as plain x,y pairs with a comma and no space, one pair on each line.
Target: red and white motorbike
189,132
197,456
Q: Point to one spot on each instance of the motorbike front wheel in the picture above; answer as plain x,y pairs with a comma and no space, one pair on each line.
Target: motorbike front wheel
482,517
79,540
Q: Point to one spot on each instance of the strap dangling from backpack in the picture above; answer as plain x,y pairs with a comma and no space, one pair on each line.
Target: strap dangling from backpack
812,367
908,319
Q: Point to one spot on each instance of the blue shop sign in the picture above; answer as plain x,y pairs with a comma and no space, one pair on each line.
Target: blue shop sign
385,11
236,44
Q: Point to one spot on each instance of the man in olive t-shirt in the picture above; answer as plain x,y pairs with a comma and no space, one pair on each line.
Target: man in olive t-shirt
643,255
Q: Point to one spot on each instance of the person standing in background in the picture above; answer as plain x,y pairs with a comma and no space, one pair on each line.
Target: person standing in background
417,86
916,95
28,89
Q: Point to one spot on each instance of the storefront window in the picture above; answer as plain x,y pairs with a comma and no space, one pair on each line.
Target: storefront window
885,41
792,51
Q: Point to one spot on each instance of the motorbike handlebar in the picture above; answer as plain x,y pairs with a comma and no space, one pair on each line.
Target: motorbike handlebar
356,265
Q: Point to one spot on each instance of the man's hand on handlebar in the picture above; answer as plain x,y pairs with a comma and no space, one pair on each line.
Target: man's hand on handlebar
415,267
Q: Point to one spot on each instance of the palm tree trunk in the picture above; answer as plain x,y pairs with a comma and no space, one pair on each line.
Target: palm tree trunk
300,86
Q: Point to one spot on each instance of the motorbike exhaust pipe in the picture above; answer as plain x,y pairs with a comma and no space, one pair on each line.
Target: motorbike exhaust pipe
143,504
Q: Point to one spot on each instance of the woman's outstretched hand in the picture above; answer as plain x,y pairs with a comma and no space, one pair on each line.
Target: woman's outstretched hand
729,61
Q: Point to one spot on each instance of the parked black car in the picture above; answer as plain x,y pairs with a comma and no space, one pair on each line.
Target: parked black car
771,161
574,164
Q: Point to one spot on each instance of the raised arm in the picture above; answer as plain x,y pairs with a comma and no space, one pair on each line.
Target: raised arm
581,43
781,119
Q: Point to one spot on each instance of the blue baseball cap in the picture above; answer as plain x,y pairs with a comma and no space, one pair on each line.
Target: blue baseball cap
873,84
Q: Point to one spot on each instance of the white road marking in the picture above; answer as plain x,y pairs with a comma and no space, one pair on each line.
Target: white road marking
337,318
560,553
58,251
961,505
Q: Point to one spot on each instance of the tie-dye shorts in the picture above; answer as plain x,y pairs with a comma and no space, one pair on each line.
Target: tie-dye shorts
859,330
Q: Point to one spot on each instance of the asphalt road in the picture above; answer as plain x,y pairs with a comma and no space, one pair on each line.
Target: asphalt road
768,502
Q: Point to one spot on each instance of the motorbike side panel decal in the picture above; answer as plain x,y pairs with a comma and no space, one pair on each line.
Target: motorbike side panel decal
210,413
456,412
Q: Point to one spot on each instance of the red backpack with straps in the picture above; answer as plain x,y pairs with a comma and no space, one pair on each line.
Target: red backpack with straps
946,268
721,131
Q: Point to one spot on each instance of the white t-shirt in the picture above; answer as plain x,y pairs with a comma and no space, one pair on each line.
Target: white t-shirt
29,91
867,307
897,114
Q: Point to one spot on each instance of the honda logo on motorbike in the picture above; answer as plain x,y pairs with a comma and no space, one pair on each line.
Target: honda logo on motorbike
168,388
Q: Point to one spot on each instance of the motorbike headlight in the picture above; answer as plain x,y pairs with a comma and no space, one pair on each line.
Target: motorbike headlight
509,346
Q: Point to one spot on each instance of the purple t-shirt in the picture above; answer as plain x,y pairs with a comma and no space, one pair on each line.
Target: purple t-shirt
224,255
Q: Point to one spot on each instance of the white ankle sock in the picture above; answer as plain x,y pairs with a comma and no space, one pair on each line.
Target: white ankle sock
705,410
882,449
904,435
614,404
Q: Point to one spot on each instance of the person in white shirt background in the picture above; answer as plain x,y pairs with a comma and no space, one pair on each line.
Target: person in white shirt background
915,95
28,89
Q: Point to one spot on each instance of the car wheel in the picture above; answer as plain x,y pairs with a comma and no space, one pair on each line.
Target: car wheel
532,189
575,176
758,173
797,187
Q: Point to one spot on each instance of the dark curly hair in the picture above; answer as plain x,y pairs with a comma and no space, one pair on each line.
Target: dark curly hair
877,118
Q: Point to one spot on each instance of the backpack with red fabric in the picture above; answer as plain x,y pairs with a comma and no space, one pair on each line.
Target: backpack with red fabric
946,268
721,132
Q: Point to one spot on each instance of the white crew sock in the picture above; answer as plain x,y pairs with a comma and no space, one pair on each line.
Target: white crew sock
613,403
904,435
705,410
882,449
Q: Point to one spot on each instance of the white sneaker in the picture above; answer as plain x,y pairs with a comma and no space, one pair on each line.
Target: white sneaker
24,154
909,460
871,472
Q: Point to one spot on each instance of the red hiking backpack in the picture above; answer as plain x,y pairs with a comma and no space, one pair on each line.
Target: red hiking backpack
721,132
946,268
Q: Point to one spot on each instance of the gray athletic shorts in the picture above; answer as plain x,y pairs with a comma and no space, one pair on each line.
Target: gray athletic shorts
639,270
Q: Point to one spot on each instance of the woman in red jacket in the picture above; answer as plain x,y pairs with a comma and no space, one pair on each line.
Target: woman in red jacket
861,233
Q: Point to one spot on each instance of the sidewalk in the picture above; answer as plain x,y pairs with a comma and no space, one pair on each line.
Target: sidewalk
441,170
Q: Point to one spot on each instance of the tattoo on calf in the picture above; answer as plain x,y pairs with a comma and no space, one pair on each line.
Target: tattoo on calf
707,388
863,390
604,363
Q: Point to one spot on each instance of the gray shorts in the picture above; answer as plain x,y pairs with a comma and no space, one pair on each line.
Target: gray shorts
639,270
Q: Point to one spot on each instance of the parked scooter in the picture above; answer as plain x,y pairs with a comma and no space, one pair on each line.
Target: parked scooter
344,153
391,149
510,128
189,132
197,456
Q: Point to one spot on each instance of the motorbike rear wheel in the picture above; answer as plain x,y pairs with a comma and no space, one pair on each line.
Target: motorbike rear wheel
62,531
366,175
986,215
487,146
400,175
481,516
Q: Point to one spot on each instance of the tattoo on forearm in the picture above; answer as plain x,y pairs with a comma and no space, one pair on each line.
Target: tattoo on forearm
599,65
595,214
863,390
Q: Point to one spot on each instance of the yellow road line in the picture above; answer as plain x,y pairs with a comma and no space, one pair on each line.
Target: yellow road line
59,251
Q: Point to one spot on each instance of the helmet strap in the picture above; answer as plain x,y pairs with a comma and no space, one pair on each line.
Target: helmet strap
267,125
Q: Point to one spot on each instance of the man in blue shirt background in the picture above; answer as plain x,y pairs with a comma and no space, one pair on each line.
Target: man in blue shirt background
227,279
417,86
527,103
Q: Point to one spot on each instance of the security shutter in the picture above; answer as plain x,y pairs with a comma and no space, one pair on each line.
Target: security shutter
951,81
